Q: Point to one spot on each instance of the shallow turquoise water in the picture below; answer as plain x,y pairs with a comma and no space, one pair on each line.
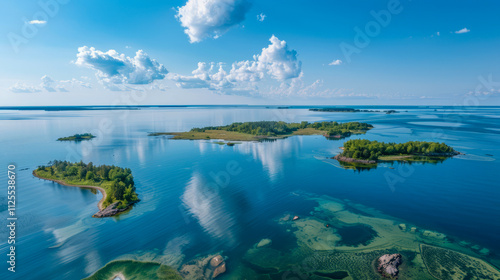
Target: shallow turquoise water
199,197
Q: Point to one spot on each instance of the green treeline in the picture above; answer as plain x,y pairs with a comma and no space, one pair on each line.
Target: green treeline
372,150
116,181
77,137
274,128
342,110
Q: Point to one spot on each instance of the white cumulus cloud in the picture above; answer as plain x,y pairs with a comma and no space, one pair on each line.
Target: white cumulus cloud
49,85
113,68
261,17
276,62
335,62
463,30
23,88
211,18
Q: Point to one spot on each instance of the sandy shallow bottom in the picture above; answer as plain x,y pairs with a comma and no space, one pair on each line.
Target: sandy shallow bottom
342,240
338,239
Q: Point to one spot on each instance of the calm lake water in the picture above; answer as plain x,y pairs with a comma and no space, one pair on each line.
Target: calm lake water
199,197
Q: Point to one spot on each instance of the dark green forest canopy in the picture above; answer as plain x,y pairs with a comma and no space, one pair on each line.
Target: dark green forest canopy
372,150
116,181
276,128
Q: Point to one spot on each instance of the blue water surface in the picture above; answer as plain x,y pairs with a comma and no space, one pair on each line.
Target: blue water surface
198,197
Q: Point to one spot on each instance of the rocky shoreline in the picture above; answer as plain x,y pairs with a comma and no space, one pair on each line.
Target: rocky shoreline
354,160
112,210
339,157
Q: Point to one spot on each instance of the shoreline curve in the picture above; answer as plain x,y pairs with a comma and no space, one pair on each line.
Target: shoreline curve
99,204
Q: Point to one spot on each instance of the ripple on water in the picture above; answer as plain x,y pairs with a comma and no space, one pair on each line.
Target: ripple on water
440,124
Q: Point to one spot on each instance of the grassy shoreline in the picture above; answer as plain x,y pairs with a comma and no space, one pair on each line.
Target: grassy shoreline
268,130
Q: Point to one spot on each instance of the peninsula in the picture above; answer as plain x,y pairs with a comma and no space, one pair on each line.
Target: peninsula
77,137
265,130
371,152
115,183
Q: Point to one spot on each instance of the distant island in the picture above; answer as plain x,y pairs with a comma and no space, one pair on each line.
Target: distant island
77,137
368,152
350,110
115,183
255,131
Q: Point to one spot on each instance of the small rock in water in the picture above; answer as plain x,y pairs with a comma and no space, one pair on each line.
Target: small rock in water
295,218
402,227
216,261
388,264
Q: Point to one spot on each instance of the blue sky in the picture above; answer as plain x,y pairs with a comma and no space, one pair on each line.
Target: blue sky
250,52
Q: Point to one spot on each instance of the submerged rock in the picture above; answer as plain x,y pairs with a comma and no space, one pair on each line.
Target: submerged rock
219,270
264,242
286,218
388,264
205,268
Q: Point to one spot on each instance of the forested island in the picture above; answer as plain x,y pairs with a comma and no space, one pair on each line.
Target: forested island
371,152
350,110
77,137
254,131
115,183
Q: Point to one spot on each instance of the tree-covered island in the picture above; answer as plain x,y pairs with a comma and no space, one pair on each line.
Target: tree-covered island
255,131
371,152
77,137
115,183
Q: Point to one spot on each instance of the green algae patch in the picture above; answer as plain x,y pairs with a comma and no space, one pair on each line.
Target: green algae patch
446,264
135,270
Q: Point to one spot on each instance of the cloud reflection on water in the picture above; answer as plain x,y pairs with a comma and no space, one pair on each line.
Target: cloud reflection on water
211,209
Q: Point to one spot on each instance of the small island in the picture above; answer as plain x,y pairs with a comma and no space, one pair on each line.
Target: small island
115,183
269,130
77,137
366,152
350,110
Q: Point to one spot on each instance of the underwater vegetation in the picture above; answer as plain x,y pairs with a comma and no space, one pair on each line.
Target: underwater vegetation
135,270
